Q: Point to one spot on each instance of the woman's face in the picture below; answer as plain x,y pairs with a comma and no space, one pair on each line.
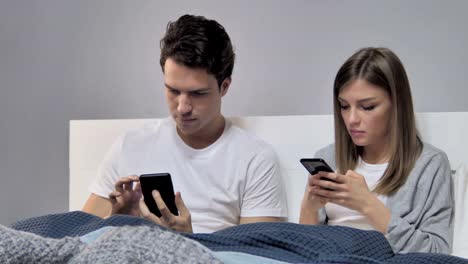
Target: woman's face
366,112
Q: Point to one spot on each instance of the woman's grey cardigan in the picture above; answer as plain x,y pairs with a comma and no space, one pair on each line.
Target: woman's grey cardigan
422,209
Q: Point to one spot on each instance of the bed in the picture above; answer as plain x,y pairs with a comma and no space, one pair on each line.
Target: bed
292,137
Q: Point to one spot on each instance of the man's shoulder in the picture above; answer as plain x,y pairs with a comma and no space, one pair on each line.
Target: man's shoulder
146,132
248,141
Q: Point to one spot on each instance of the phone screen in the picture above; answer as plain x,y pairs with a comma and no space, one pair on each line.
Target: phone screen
163,183
313,166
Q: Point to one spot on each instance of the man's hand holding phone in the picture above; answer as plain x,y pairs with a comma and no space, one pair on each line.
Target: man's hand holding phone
125,199
181,223
160,205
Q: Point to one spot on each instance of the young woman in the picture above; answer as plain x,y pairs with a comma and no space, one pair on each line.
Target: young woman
386,178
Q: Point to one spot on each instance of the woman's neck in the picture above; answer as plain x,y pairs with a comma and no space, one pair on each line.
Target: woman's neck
376,154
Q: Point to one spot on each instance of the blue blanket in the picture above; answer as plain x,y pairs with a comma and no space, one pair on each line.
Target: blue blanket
280,241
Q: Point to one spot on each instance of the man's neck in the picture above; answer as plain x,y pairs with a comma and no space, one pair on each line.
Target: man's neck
207,136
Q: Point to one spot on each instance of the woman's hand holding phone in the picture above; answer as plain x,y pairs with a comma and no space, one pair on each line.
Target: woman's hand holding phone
324,187
321,181
311,202
349,190
314,200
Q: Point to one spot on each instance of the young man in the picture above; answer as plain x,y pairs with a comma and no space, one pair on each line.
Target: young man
227,176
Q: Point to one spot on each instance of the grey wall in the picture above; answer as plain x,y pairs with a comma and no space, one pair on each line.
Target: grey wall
88,59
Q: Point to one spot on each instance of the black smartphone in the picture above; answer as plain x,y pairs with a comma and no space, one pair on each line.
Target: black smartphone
163,183
313,166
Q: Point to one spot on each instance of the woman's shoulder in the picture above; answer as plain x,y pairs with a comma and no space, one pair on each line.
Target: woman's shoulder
431,171
327,150
431,162
431,153
328,154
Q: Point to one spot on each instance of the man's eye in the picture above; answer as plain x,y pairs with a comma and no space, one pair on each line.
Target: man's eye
172,91
199,93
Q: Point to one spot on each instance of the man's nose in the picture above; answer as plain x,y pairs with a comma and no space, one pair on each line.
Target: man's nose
185,104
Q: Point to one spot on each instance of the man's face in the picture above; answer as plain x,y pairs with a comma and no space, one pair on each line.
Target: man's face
194,98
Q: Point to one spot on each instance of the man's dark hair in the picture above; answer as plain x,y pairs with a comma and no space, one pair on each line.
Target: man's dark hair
197,42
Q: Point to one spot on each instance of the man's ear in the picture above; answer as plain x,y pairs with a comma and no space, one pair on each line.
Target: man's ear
225,86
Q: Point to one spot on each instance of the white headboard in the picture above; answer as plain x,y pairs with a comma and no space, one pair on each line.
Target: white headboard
293,137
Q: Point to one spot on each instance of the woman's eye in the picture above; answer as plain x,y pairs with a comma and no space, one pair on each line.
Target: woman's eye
368,108
344,107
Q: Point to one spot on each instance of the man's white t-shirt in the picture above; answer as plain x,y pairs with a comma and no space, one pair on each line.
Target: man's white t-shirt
236,176
339,215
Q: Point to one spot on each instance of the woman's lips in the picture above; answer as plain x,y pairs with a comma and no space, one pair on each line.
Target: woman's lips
356,133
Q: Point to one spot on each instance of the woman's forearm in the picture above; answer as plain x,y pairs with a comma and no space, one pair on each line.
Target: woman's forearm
308,216
377,214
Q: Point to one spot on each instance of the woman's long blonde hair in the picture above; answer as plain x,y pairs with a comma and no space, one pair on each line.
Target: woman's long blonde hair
380,67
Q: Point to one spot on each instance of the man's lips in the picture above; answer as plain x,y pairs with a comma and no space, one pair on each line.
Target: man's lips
187,120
